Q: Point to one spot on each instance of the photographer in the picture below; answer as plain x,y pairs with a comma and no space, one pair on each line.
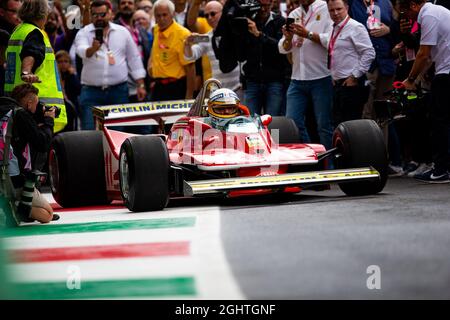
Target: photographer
254,32
30,136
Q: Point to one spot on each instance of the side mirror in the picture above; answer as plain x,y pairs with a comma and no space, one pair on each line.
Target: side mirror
266,119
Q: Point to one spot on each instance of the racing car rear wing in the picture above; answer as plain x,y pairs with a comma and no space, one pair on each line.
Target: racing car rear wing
143,113
301,179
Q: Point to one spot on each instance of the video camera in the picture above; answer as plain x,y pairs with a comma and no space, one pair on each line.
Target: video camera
242,8
237,13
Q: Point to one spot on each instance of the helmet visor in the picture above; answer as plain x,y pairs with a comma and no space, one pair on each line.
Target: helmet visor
224,110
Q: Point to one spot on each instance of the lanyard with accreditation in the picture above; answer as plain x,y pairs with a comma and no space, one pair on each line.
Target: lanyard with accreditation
333,41
298,42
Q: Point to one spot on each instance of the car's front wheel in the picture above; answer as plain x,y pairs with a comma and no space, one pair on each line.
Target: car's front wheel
144,173
360,143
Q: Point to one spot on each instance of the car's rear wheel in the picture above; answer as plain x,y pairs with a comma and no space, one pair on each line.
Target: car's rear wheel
287,130
360,143
144,173
77,169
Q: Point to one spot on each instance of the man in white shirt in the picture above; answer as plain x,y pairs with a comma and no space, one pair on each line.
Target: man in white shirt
310,81
107,59
434,44
193,51
350,54
181,7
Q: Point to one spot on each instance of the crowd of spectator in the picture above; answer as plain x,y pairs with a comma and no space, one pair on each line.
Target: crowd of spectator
317,62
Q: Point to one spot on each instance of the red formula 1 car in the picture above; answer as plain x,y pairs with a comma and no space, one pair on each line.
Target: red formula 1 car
242,156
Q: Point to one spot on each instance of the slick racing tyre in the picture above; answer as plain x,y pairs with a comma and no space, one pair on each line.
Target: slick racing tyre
77,169
287,130
360,143
144,173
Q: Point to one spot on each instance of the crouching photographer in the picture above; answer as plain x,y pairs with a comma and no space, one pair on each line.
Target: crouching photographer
248,31
31,134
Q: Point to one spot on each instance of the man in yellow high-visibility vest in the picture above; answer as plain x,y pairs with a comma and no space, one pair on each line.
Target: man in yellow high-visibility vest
30,58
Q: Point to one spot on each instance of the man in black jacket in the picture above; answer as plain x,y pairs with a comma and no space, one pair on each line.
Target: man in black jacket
264,69
253,41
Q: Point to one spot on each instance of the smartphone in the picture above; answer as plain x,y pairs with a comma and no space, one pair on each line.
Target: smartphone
200,38
402,16
99,34
289,21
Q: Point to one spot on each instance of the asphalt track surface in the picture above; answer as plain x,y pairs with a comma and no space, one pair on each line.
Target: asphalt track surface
312,245
318,245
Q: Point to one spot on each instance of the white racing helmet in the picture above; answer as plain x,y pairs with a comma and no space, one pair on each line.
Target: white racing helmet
224,103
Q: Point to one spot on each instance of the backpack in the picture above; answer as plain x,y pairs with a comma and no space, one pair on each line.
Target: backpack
7,109
8,163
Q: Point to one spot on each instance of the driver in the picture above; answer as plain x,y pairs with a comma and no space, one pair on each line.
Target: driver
225,104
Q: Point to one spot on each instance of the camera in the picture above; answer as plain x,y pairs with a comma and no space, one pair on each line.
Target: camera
42,108
49,108
237,13
243,8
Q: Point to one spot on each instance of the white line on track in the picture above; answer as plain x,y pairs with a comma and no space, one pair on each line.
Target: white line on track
106,269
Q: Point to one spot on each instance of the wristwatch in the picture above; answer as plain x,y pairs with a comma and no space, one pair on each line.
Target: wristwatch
25,73
141,85
310,35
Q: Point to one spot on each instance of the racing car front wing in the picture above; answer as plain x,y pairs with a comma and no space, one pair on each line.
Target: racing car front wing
301,179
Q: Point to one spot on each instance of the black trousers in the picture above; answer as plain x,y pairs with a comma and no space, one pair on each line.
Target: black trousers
440,120
169,91
348,102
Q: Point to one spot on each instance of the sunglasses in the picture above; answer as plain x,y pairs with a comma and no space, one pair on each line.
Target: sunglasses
98,14
212,14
